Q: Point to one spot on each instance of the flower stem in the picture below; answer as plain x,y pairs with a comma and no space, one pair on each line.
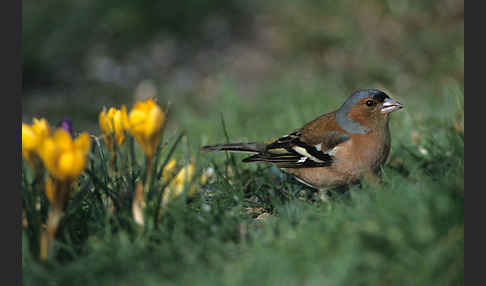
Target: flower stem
48,234
141,191
148,173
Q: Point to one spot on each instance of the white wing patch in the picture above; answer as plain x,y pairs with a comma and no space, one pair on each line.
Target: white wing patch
302,159
304,152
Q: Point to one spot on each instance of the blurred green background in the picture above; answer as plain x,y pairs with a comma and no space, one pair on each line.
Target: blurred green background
250,60
267,67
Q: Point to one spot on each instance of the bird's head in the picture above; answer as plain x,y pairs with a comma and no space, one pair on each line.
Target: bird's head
366,109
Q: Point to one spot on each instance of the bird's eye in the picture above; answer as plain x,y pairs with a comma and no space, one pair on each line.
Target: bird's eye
370,103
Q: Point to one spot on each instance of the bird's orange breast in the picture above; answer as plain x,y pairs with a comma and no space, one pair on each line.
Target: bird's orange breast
352,160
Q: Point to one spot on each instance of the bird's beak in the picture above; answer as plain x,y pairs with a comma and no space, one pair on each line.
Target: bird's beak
390,105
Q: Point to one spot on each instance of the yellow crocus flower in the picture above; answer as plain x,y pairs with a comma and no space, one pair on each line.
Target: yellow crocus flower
32,138
63,157
41,128
29,143
146,120
169,170
177,185
114,123
120,124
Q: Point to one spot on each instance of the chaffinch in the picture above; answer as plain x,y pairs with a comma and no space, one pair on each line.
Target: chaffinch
335,149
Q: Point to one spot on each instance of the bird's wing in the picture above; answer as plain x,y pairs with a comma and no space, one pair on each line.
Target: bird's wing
298,151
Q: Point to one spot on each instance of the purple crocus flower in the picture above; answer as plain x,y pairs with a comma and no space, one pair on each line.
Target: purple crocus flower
67,125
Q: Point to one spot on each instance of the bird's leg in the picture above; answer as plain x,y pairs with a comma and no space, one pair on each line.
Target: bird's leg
323,195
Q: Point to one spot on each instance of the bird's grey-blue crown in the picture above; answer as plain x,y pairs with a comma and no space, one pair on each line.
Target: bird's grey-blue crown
342,113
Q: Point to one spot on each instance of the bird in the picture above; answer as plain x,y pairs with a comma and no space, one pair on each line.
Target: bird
336,149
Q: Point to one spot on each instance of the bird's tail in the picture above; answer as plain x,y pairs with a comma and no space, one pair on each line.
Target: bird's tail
252,147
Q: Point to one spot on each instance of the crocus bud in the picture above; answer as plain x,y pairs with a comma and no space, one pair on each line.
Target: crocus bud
67,125
146,120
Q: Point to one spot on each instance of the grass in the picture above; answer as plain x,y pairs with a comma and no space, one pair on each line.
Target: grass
255,225
249,223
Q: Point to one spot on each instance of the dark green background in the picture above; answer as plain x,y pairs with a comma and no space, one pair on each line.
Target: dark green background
267,67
